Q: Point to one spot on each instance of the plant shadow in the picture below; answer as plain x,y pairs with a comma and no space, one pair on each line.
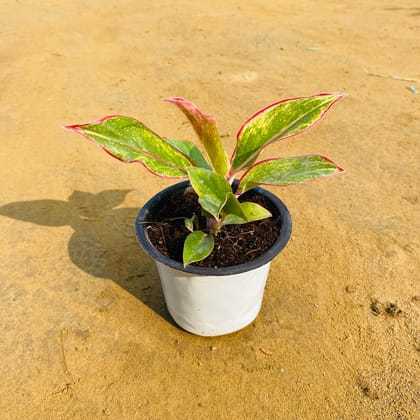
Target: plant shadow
103,243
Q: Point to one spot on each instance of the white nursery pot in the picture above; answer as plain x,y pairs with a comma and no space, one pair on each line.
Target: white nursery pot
213,301
213,305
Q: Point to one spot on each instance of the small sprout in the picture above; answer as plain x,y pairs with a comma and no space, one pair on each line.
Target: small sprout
191,223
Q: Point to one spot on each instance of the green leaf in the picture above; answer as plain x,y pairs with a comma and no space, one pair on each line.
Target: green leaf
232,211
233,219
211,188
254,211
251,211
131,141
236,213
191,150
206,129
197,246
287,171
233,206
278,121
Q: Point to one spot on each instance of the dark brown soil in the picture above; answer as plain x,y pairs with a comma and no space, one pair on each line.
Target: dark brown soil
234,244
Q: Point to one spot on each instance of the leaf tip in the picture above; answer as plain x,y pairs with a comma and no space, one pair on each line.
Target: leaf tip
340,95
78,128
189,108
338,168
73,128
174,99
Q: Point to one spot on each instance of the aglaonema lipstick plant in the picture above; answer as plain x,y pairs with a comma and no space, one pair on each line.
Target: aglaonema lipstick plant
129,140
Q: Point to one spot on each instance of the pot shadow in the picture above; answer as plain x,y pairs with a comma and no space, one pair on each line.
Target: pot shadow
103,243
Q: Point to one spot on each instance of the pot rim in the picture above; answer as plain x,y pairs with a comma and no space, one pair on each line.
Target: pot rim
266,257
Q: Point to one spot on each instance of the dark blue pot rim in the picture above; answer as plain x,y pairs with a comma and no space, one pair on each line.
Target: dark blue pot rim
281,212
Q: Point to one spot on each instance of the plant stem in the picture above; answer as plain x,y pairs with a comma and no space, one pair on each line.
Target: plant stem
213,226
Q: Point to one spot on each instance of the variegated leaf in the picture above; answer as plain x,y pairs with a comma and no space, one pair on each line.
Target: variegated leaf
206,129
131,141
280,120
287,171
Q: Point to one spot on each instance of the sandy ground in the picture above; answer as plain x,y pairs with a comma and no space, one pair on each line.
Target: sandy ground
84,329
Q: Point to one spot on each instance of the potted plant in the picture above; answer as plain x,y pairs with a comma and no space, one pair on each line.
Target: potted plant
213,236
